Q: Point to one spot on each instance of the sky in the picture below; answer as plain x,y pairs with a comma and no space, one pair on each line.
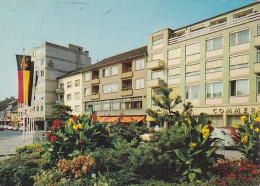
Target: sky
103,27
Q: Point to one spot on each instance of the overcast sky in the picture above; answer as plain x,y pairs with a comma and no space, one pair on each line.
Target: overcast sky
103,27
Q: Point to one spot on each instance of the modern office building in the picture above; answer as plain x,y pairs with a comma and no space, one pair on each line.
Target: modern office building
213,63
113,88
51,61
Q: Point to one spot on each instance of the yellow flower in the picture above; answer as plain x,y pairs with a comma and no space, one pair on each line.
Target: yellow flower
235,125
257,119
253,115
70,121
198,181
79,126
185,119
257,130
205,131
193,145
245,139
243,119
75,127
110,135
252,126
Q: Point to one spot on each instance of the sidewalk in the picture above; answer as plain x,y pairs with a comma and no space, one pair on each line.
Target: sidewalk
8,146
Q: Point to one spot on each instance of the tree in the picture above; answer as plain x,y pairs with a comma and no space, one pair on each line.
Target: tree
166,103
61,111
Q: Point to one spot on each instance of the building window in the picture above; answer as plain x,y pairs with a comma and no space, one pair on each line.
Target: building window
139,83
105,72
192,92
139,64
114,70
214,66
37,108
77,95
87,91
77,108
258,56
193,70
41,108
110,88
131,103
239,61
157,74
42,73
106,105
61,85
214,90
69,84
218,21
239,37
174,73
243,13
214,44
87,76
258,30
115,104
157,39
68,96
77,83
239,87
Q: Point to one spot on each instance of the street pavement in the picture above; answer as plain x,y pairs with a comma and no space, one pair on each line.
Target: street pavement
9,143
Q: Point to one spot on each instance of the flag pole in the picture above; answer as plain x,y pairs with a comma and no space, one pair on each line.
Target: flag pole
24,95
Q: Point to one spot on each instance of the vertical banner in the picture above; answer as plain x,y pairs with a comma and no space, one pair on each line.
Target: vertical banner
25,79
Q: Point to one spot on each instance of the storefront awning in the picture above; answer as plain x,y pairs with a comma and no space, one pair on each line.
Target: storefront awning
108,119
128,119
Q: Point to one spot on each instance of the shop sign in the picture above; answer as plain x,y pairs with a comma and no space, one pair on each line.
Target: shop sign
236,110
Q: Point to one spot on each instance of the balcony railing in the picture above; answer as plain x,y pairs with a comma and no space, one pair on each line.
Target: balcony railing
59,90
94,81
155,65
60,102
215,28
94,96
126,92
127,74
257,68
154,83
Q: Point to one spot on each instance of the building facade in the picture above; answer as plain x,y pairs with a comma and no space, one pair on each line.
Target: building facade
213,63
113,88
51,61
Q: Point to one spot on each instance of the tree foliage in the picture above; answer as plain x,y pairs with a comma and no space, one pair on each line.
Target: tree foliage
61,111
167,104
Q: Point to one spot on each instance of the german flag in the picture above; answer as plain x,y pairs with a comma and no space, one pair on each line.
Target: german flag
25,81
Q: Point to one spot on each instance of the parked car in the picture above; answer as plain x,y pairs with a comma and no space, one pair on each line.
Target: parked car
1,127
233,132
16,128
224,137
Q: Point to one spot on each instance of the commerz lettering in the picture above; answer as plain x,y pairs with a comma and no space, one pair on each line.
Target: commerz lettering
236,110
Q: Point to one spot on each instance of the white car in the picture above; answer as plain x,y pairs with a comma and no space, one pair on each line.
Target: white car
224,138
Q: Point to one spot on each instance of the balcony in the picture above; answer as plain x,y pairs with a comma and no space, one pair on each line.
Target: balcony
125,92
215,28
59,90
94,81
60,102
127,75
257,41
257,68
154,83
155,65
94,96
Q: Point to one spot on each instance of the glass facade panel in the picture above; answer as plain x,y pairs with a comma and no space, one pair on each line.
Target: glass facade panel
242,87
208,89
243,37
217,89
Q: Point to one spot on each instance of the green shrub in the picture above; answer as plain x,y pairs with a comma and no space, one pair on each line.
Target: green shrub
19,169
250,137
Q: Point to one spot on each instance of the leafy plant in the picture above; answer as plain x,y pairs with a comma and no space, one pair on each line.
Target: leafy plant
250,137
76,136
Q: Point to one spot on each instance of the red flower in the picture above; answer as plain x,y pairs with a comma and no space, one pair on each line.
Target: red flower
81,141
74,117
253,166
56,122
63,126
254,171
54,139
94,117
48,134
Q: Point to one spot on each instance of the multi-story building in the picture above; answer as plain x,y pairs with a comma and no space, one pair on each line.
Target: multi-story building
113,88
213,63
51,61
